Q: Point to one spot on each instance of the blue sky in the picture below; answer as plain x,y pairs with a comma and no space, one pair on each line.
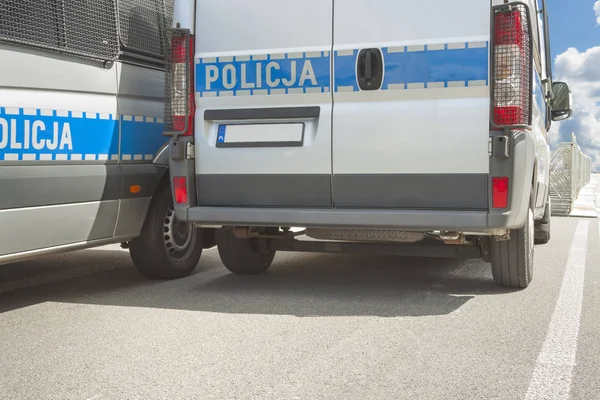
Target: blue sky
572,24
575,43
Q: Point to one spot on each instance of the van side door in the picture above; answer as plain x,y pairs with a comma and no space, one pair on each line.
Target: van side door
263,103
411,104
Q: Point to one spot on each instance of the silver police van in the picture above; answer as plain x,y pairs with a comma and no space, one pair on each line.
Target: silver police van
378,126
82,152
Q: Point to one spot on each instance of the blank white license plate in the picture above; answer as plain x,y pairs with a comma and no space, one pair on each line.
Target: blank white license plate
260,135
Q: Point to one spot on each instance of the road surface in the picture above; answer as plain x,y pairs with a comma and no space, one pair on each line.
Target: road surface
87,326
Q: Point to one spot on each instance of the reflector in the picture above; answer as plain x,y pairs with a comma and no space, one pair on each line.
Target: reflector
500,192
180,189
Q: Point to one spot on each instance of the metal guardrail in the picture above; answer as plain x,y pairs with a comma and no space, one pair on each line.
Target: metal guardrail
570,171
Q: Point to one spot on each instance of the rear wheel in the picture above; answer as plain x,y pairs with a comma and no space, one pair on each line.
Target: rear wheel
166,248
542,227
243,256
512,260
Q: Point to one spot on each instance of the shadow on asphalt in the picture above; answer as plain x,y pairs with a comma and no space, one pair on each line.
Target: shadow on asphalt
303,285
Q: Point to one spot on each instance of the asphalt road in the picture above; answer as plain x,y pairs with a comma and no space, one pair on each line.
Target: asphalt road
87,326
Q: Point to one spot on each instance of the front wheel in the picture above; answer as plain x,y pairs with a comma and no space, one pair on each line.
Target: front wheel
512,260
166,248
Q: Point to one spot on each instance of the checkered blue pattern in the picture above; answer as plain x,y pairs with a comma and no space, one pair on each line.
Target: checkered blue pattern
54,135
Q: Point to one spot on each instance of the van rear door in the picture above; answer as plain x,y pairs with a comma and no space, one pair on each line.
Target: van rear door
263,103
411,104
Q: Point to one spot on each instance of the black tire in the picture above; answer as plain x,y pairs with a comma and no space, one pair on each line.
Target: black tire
512,260
166,248
543,226
243,256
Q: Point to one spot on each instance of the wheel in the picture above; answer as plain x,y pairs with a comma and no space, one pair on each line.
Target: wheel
512,260
166,248
243,256
543,226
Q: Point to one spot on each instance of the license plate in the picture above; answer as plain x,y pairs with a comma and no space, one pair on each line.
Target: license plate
261,135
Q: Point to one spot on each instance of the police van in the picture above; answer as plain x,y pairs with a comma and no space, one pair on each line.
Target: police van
83,157
416,128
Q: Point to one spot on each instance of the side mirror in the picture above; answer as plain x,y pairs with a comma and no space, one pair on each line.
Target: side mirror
561,106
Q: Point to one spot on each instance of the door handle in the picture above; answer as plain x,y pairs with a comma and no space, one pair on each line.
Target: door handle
369,69
368,65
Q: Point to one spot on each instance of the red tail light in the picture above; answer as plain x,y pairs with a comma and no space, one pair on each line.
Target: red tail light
500,192
180,189
509,29
512,66
180,104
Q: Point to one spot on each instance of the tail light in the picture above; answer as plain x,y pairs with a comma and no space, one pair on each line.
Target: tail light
513,63
179,94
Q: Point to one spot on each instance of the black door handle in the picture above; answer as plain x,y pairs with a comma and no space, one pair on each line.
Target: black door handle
368,65
369,69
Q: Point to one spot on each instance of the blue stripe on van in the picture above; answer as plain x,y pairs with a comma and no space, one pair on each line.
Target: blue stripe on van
406,67
421,67
40,135
458,66
141,138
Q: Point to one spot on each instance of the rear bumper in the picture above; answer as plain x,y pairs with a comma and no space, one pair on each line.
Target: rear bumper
419,220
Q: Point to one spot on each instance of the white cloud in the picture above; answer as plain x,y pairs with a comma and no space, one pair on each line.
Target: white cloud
597,10
581,70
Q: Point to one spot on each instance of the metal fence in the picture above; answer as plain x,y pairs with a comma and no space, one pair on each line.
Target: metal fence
570,171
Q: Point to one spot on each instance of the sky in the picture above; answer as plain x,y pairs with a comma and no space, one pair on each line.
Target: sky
575,44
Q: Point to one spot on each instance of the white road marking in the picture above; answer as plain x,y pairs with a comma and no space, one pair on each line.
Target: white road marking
554,368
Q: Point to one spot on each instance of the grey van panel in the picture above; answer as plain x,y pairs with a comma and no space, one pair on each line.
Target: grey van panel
132,214
400,191
48,70
139,81
309,190
39,227
31,186
412,191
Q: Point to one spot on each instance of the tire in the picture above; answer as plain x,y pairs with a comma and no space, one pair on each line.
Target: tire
243,256
543,226
512,260
166,248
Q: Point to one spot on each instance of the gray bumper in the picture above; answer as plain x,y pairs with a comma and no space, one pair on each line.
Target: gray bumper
422,220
